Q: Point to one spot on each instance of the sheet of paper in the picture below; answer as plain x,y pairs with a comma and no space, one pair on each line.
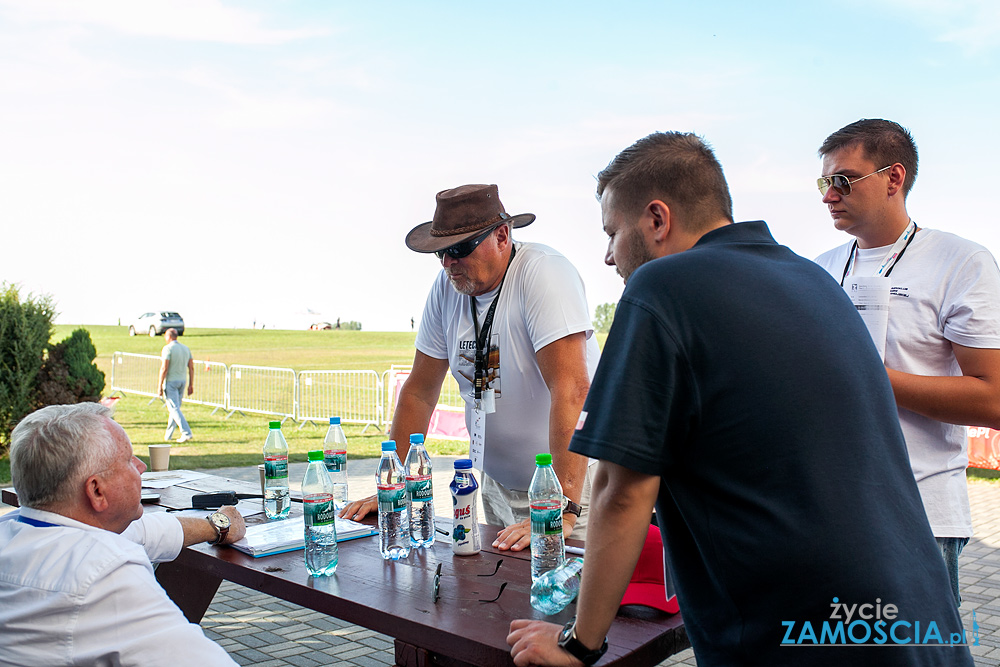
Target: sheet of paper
167,478
477,438
870,295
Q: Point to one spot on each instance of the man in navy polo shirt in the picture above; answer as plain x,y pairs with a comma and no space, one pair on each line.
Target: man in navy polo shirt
734,394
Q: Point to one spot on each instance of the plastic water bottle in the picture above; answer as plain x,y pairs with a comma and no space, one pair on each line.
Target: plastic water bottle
276,498
465,537
551,592
320,517
393,514
420,492
545,497
335,458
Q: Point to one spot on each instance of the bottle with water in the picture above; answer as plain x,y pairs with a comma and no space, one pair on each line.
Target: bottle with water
545,497
276,498
393,514
320,516
420,492
551,592
335,458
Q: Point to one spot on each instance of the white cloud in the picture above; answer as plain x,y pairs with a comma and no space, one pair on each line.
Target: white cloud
192,20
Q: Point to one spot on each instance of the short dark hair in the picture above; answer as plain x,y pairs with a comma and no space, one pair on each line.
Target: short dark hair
677,167
884,142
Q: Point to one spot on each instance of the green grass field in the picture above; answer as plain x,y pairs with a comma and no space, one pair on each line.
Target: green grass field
237,441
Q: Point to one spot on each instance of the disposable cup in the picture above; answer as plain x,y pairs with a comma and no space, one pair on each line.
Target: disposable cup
159,457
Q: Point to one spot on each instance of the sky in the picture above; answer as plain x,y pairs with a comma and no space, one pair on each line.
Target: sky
261,161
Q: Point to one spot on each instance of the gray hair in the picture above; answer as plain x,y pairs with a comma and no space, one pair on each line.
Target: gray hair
54,449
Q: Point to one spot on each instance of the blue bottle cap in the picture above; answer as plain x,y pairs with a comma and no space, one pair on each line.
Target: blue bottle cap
463,464
389,446
334,420
416,438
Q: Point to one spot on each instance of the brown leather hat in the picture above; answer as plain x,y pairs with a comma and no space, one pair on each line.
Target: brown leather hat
462,213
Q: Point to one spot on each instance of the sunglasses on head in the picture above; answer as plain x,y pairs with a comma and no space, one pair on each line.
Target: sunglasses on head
842,184
465,248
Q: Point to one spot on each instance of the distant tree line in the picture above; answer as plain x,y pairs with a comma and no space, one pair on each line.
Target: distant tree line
604,315
33,372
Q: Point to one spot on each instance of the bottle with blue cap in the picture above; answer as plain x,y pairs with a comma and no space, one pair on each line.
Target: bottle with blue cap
393,509
420,491
335,458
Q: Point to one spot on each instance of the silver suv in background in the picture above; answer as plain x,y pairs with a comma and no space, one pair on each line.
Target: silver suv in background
156,323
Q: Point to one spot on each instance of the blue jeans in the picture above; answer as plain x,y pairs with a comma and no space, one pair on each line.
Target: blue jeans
173,391
951,548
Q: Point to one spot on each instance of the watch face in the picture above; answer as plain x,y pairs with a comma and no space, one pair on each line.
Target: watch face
566,632
220,520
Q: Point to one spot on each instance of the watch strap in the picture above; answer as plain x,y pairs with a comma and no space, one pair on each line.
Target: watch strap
569,507
576,648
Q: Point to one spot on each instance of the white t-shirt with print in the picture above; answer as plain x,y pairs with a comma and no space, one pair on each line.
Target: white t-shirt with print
542,300
944,289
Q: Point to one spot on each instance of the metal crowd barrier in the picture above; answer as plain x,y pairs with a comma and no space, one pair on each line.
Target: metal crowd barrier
210,380
260,389
135,374
356,396
359,397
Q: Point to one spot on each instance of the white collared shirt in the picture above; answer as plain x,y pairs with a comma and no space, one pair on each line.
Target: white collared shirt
74,594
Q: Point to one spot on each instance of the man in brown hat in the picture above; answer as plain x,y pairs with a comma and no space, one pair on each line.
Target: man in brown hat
511,322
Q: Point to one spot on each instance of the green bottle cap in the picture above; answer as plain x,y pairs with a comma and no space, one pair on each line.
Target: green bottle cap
275,424
316,456
543,459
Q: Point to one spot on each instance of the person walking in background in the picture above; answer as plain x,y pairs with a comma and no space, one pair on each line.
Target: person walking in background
941,326
176,370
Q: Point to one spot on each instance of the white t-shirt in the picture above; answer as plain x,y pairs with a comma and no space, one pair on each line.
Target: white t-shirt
944,289
543,299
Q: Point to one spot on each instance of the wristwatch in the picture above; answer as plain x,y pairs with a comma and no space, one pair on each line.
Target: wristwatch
221,524
568,641
569,507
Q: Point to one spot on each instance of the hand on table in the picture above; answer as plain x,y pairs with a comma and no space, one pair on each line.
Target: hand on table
514,537
237,527
356,510
535,643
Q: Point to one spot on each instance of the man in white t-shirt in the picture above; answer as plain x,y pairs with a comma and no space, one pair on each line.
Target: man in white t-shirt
942,340
76,575
513,316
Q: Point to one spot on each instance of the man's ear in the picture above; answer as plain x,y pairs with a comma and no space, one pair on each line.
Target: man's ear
897,177
657,215
95,493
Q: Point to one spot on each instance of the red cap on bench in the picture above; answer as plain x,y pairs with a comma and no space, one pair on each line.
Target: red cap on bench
646,586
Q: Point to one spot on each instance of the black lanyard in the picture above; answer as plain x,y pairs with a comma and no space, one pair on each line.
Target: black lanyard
482,336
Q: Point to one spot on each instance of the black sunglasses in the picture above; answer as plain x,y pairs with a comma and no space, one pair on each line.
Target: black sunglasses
465,248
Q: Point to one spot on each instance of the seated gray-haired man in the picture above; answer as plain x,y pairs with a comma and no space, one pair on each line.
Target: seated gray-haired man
76,574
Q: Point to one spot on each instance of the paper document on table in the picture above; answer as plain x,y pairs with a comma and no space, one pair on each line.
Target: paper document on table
870,295
275,537
168,478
